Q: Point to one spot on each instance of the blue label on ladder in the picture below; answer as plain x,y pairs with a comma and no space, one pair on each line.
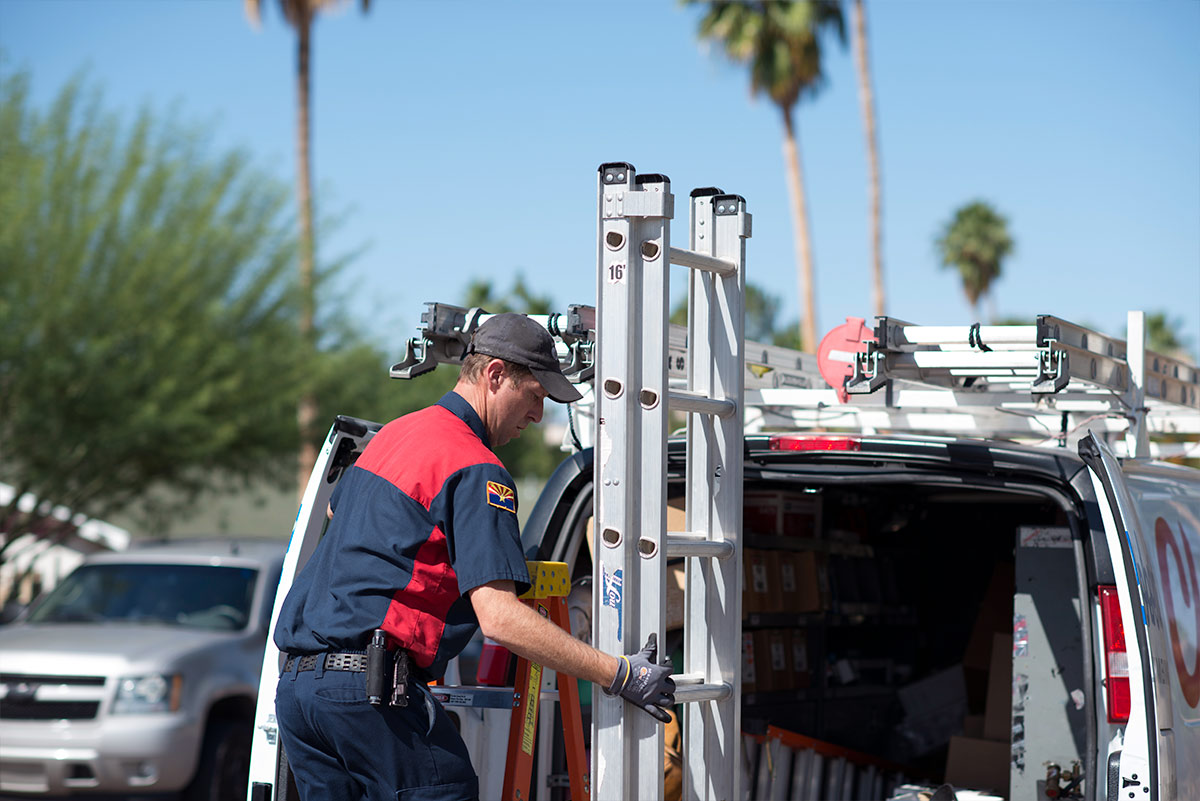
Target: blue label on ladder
613,590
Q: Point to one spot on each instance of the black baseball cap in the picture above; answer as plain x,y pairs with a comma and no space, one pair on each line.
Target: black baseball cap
517,339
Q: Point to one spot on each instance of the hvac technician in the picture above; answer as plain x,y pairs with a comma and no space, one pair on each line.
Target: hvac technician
424,547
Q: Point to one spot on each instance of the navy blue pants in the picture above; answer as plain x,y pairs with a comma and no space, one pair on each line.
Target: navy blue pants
343,749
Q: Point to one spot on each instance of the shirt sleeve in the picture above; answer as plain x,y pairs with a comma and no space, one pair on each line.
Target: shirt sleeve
334,497
481,528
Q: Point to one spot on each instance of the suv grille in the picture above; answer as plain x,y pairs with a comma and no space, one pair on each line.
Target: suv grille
48,710
21,701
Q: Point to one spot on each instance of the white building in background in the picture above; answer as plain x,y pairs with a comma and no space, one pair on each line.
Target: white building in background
52,556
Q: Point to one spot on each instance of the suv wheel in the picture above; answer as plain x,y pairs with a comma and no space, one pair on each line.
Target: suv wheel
224,763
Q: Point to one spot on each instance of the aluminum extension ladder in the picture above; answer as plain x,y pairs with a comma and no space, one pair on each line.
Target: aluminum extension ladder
632,545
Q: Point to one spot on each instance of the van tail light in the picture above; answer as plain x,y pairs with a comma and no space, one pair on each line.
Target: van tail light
1115,657
794,443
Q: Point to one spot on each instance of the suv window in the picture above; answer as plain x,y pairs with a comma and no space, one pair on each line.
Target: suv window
189,596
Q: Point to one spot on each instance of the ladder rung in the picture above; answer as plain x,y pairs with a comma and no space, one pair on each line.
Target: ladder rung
694,543
685,401
691,689
700,261
993,336
967,360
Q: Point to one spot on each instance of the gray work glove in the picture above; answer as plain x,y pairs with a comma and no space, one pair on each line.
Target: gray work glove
645,684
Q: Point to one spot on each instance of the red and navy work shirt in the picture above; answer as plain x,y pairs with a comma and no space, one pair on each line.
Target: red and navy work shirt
425,514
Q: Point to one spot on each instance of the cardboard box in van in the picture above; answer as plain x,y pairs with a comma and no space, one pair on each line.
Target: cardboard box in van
799,582
762,591
978,764
783,514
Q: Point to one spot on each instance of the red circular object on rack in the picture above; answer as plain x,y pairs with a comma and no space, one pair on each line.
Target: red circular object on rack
835,354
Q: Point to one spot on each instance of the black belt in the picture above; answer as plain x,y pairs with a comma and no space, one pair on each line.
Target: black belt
386,679
352,663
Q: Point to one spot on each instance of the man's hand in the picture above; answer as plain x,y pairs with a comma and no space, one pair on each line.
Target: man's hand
644,683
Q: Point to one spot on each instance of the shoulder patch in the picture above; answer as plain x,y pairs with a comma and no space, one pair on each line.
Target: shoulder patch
501,497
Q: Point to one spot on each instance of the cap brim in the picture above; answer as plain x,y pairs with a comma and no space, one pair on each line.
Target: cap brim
556,385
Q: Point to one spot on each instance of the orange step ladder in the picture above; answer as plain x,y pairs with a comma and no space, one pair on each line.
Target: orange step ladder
547,596
550,584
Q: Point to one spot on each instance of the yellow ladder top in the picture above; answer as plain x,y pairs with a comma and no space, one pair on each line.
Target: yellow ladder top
548,580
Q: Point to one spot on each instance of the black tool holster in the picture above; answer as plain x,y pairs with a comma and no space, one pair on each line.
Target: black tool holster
387,672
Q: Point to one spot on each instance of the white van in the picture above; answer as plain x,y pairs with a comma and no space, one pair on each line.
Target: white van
1017,620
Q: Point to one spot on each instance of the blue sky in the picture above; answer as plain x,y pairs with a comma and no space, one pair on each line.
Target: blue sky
461,139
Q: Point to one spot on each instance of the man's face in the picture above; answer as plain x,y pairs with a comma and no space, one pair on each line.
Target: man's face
516,404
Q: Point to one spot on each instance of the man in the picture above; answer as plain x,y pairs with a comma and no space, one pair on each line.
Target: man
423,544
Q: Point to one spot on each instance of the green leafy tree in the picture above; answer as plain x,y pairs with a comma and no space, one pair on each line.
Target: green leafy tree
519,297
975,242
1162,335
351,378
147,310
788,336
300,14
781,41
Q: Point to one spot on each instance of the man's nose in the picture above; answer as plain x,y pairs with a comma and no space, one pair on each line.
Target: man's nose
537,412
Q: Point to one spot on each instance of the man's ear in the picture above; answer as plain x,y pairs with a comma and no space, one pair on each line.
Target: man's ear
495,373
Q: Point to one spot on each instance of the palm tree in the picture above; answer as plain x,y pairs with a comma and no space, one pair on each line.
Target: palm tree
976,243
300,15
781,43
867,99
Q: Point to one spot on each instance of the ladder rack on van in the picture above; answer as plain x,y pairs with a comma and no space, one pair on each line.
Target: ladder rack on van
1051,381
1010,381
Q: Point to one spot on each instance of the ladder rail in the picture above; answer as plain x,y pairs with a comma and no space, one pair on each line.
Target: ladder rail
633,239
719,224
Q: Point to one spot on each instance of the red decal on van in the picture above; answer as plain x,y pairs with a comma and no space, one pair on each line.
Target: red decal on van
1164,538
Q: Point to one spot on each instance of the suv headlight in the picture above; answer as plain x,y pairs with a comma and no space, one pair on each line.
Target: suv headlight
157,692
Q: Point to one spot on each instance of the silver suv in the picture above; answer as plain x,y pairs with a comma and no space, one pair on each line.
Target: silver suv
138,673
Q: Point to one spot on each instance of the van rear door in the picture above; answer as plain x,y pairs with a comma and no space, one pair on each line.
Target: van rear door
1168,504
1135,770
346,440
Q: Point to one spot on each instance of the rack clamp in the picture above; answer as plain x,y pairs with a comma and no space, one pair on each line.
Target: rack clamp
1054,371
445,333
577,330
446,330
870,366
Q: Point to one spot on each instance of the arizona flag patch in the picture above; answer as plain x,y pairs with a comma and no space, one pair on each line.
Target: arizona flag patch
501,497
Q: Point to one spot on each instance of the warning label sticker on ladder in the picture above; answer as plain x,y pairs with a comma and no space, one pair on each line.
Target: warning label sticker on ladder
613,591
